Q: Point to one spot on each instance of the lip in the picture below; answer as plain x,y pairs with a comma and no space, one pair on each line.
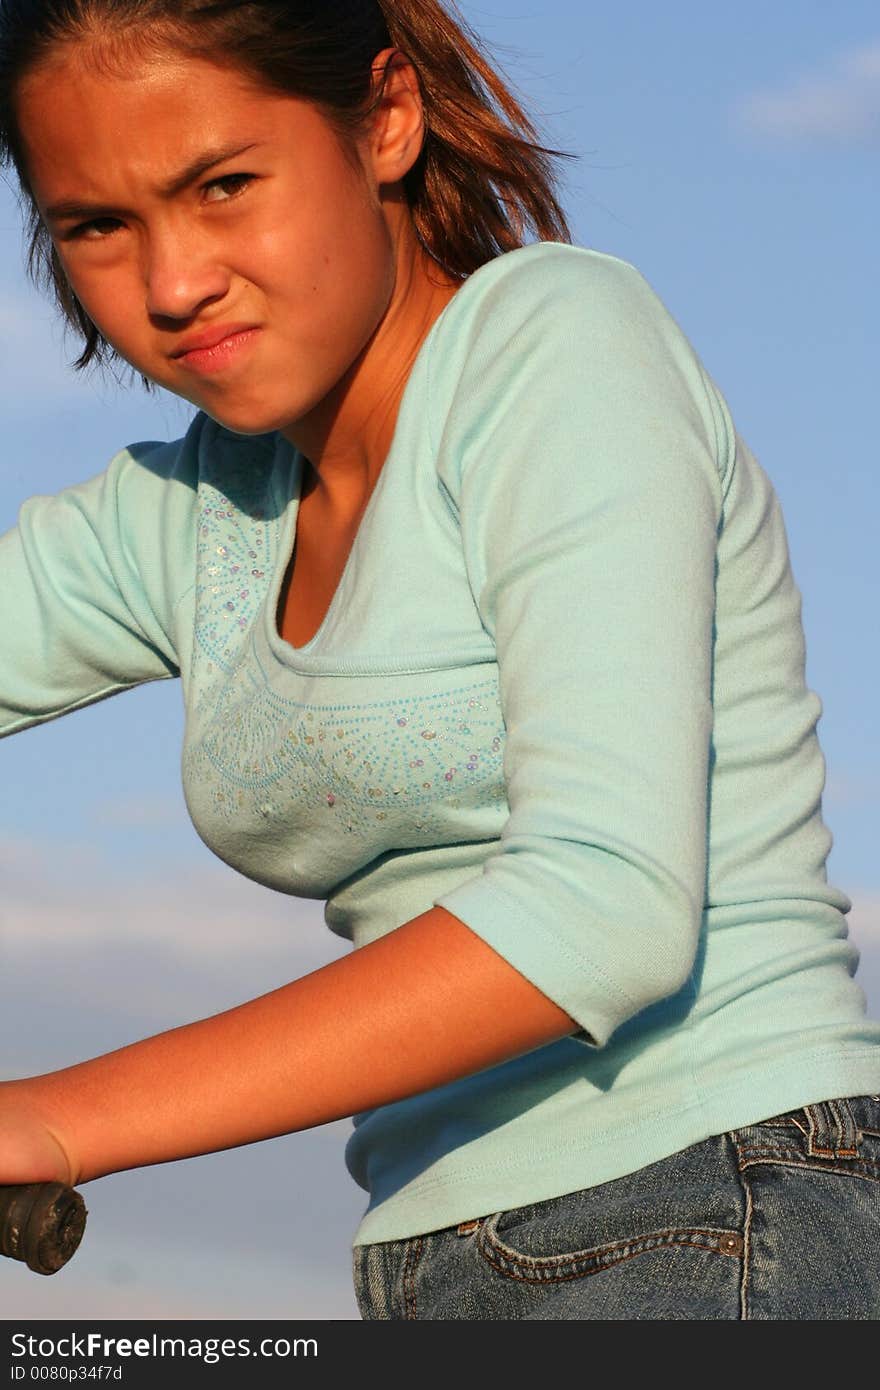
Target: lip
215,347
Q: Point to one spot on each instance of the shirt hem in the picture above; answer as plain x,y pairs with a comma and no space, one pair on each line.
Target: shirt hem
535,1175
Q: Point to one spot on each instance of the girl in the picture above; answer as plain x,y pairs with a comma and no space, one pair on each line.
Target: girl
488,637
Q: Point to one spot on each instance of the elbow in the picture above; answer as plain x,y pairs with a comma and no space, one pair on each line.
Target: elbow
662,979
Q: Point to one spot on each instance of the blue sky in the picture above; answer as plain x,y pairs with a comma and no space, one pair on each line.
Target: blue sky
730,153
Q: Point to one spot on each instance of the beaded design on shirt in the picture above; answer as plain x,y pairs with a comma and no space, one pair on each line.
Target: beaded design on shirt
236,556
388,772
379,765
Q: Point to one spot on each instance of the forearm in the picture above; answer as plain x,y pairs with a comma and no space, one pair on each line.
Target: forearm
420,1007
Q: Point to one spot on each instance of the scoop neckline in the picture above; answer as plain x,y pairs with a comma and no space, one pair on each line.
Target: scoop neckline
307,658
287,539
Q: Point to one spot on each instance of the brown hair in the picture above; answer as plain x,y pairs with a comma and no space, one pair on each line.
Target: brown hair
481,180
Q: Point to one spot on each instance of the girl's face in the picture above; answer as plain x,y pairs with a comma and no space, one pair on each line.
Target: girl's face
213,230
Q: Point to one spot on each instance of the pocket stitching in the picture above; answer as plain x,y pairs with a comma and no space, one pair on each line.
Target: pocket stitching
513,1263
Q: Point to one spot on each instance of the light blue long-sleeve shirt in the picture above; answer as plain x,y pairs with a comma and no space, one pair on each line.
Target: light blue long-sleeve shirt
559,692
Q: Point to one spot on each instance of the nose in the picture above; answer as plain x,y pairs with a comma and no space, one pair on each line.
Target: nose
182,276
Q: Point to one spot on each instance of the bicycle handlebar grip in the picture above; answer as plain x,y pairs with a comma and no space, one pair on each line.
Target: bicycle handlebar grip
41,1223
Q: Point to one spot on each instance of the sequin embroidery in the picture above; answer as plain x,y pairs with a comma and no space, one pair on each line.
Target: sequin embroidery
261,755
236,554
342,782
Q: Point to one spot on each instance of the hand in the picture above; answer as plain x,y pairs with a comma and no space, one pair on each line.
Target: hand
30,1148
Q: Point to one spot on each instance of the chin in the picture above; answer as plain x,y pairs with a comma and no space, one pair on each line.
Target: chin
236,427
251,422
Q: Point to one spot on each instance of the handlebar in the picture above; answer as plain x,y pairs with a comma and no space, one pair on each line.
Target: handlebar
41,1223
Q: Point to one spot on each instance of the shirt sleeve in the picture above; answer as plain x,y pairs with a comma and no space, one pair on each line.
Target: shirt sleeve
89,579
581,447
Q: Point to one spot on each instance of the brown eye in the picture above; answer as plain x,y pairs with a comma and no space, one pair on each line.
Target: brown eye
96,230
230,186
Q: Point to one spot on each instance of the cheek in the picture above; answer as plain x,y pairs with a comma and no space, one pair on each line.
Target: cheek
334,279
105,295
127,331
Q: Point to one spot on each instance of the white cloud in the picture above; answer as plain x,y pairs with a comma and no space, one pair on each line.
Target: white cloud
837,105
150,947
74,894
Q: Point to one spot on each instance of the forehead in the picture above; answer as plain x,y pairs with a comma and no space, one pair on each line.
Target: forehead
86,121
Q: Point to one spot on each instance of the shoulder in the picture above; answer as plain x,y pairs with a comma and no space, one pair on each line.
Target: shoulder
551,301
206,455
575,338
538,285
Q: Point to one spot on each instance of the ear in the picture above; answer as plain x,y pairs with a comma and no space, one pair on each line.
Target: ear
398,129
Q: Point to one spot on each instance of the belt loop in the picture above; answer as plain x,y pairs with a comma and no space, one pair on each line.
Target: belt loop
833,1132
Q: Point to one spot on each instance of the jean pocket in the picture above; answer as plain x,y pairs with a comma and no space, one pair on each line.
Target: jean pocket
596,1229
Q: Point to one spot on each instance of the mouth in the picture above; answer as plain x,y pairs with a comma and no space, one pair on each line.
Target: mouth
215,348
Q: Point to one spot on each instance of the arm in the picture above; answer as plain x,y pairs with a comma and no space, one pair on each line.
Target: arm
586,454
426,1004
87,593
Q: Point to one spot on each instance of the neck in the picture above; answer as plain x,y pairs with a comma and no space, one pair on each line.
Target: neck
346,437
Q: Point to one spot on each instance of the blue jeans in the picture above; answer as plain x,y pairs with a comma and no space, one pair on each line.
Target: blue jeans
778,1220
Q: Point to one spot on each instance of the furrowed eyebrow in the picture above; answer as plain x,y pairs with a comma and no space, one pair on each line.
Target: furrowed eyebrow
69,208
